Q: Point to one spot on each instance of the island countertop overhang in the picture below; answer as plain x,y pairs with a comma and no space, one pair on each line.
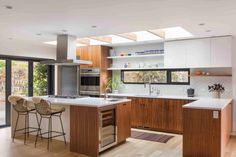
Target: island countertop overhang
86,101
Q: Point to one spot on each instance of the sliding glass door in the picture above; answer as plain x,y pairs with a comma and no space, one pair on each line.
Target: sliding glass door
19,78
40,79
2,92
24,77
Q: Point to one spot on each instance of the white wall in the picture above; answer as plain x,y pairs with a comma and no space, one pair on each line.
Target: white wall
200,84
234,82
20,48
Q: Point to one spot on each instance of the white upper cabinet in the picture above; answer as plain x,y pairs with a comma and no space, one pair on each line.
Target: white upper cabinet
198,53
221,49
175,54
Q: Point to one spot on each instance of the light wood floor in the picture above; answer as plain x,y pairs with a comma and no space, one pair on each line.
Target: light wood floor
132,148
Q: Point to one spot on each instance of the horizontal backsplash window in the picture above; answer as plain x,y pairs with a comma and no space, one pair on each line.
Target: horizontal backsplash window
160,76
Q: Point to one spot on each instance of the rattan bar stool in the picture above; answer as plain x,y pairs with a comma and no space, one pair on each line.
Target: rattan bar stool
45,110
23,108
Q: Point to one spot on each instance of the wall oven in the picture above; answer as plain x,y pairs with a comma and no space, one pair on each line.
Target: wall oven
90,82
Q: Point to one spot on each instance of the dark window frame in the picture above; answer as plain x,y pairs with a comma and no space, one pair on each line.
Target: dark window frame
169,82
30,60
179,83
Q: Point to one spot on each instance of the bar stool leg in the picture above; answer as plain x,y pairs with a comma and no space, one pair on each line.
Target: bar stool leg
28,125
49,130
39,129
62,129
38,124
25,129
17,119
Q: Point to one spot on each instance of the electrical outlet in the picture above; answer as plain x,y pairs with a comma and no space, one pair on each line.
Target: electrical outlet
215,114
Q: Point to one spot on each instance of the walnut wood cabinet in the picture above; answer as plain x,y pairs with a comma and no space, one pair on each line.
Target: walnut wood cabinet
98,55
123,121
84,127
158,114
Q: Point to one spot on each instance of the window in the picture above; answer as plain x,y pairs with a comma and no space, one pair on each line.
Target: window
179,76
160,76
40,79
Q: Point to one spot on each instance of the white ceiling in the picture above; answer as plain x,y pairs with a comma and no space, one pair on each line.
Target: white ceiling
49,17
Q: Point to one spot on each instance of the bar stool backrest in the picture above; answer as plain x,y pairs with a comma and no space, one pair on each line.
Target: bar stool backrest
18,103
42,106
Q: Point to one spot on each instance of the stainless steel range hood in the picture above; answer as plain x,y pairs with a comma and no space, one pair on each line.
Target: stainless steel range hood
66,52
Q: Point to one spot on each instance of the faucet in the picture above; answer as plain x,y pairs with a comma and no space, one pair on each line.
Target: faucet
107,90
150,87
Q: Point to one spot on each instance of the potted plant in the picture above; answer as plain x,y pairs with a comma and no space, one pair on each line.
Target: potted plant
114,84
217,89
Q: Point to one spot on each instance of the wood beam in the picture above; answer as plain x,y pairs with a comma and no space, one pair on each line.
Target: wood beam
158,32
130,36
84,41
106,39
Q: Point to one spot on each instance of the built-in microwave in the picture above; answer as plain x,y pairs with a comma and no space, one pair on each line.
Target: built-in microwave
90,82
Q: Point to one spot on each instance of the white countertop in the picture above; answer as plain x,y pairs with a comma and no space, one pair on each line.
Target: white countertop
86,101
151,96
209,103
199,103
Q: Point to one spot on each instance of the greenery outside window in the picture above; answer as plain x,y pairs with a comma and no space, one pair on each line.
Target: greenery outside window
160,76
179,76
40,76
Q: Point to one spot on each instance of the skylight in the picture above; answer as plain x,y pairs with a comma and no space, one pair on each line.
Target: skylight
78,45
117,39
55,43
146,36
51,42
140,36
97,42
176,32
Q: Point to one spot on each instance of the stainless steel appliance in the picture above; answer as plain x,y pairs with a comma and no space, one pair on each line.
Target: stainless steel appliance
67,65
90,82
66,52
107,129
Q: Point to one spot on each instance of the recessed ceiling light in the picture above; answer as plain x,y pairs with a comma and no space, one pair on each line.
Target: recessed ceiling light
94,26
9,7
10,38
201,24
146,36
51,42
176,32
38,34
117,39
208,30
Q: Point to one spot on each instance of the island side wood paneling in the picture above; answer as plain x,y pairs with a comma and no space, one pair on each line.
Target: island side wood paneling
84,137
123,121
226,127
204,135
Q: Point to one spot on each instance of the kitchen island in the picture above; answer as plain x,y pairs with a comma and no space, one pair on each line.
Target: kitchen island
92,125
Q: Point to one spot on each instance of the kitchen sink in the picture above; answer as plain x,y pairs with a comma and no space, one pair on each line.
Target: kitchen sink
113,100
